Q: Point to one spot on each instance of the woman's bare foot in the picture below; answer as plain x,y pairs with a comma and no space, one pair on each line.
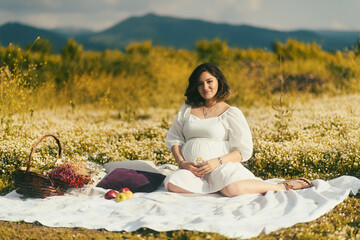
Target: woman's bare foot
297,184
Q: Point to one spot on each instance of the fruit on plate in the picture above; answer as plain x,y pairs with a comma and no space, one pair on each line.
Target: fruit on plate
129,194
124,189
111,194
121,197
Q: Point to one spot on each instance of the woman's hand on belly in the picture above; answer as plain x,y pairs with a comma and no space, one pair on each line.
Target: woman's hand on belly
208,166
192,167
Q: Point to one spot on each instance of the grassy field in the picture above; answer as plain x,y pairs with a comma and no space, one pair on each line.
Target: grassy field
314,137
302,105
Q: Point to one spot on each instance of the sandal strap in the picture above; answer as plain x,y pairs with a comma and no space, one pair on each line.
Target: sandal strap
287,186
306,180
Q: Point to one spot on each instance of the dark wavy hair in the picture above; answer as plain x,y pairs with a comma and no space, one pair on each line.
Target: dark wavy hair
193,97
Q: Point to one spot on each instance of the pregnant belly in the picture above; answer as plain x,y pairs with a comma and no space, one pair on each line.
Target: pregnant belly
204,149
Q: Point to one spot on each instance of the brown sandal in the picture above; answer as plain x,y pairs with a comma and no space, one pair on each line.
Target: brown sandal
288,184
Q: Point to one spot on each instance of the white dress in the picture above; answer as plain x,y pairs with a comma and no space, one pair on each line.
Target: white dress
204,139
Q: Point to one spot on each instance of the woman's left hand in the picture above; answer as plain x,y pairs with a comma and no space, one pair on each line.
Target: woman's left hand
208,166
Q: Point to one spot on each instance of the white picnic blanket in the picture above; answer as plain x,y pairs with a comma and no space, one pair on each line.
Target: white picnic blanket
244,216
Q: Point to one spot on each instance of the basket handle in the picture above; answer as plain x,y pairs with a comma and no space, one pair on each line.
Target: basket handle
37,143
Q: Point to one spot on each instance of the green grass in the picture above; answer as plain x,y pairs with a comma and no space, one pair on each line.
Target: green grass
309,137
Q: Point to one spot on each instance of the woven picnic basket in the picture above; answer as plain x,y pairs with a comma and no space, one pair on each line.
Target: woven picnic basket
35,185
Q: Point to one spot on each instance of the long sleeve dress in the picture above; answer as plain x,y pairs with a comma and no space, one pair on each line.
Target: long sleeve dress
204,139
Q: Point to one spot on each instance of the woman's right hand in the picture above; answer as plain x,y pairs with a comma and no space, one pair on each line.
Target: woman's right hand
192,167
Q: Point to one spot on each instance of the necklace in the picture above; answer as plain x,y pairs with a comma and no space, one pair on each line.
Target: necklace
210,111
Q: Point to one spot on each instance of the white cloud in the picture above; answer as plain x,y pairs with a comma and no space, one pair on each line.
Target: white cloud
110,1
336,25
6,17
99,14
277,27
254,5
209,12
49,4
42,20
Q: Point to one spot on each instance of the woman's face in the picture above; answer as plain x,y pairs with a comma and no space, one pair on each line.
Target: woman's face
207,85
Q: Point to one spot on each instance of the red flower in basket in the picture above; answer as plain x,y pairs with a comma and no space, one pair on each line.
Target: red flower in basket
66,174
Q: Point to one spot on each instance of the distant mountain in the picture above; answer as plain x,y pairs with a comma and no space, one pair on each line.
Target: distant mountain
184,33
72,31
346,38
174,32
21,35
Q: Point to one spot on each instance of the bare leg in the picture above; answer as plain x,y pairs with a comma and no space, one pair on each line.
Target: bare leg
173,188
250,186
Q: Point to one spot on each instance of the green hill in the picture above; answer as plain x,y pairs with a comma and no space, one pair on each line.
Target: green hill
21,35
184,33
174,32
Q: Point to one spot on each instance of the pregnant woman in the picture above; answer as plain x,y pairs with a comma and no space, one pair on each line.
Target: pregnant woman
210,139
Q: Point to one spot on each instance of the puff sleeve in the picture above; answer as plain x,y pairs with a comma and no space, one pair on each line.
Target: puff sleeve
175,136
240,137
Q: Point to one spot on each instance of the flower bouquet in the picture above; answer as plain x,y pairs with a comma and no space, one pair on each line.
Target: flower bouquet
75,171
68,174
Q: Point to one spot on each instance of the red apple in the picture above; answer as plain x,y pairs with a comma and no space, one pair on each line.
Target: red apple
124,189
121,197
111,194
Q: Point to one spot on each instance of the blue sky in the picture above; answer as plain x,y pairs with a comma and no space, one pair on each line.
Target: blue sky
101,14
